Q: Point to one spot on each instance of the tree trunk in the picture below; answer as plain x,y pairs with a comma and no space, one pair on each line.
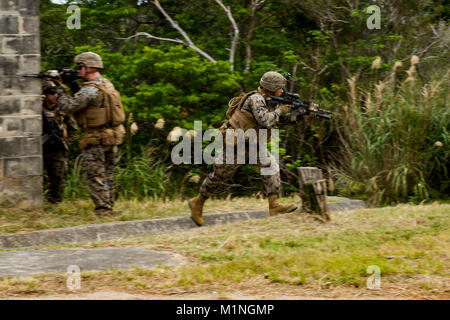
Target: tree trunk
313,192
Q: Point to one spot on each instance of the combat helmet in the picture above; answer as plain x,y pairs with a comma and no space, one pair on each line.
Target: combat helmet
272,81
48,87
90,60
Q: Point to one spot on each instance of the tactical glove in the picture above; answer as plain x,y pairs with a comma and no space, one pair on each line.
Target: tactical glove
284,108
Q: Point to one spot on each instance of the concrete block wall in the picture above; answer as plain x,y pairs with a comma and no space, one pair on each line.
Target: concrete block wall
20,105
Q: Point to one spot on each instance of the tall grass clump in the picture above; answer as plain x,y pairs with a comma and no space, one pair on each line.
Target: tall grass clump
75,186
144,175
395,138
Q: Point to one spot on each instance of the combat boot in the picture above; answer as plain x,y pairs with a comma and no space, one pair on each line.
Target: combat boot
196,206
276,208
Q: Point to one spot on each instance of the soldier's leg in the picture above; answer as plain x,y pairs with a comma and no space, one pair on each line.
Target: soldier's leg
95,178
61,169
220,173
110,164
272,185
56,165
48,167
271,181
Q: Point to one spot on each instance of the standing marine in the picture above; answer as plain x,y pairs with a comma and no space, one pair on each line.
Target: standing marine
98,111
59,130
251,112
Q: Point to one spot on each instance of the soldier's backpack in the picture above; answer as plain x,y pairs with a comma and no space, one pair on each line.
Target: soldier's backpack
112,114
237,102
115,114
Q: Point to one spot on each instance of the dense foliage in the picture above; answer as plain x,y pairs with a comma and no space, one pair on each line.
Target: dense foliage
388,87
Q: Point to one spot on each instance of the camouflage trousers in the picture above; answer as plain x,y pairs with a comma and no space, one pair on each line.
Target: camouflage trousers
56,167
222,172
98,163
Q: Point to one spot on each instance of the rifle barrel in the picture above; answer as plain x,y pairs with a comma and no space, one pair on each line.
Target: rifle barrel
294,99
323,116
33,76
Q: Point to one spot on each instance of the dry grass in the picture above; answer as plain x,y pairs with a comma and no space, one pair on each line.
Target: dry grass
288,256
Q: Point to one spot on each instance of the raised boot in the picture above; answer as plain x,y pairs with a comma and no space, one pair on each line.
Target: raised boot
196,206
276,208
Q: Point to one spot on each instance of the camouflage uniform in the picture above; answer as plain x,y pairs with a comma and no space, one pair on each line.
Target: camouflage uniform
267,118
98,161
245,112
54,152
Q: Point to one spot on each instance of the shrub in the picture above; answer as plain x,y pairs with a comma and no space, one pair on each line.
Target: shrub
394,139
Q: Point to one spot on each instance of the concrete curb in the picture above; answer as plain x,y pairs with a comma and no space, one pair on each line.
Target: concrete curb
23,263
345,204
119,230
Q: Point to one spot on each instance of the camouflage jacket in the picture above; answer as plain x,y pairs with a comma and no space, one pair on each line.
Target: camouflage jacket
81,99
65,125
256,104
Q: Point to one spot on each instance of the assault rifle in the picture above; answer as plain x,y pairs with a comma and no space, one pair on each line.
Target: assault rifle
52,131
300,107
66,75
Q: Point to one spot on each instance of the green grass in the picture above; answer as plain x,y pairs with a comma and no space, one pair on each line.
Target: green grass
339,254
408,243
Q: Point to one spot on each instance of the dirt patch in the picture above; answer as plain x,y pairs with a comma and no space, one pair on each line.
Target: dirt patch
392,288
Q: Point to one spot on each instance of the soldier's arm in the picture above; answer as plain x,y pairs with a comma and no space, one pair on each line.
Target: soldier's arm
262,115
79,101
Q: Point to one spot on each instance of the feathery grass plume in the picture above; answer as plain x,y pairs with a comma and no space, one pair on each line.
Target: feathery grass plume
426,92
393,155
397,64
429,90
414,60
352,84
379,91
130,118
160,124
194,179
191,133
175,134
368,103
391,79
411,71
134,128
376,63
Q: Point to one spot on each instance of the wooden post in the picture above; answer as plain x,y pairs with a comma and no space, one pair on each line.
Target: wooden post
313,191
